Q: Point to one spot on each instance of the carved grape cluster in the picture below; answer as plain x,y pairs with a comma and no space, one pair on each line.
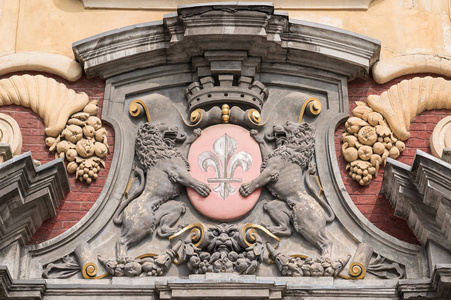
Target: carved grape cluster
367,143
83,143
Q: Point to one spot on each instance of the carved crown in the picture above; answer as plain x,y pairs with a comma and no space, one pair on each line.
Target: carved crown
242,91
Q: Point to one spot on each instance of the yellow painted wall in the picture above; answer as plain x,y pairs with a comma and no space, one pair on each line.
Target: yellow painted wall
403,26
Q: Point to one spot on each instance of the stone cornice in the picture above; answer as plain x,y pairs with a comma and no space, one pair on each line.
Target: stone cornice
28,196
19,289
255,28
421,194
169,5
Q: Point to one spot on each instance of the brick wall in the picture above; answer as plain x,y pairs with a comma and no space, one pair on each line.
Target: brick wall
81,197
376,207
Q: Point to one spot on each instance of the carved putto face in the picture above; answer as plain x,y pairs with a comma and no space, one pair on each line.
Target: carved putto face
223,238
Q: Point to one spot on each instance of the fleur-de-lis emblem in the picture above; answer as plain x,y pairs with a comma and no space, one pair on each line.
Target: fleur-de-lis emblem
224,163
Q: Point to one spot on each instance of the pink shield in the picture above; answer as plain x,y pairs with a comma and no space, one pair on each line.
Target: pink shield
224,157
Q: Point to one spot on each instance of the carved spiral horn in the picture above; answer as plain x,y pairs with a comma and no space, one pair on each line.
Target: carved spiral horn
407,99
51,100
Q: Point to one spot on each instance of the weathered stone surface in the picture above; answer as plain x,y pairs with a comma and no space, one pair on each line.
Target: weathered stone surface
41,62
397,66
28,196
5,152
421,194
255,28
20,289
407,99
10,134
156,62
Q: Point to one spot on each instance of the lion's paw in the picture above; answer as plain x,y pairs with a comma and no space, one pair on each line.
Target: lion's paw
202,189
246,189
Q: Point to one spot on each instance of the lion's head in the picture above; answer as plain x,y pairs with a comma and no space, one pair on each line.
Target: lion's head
156,142
294,143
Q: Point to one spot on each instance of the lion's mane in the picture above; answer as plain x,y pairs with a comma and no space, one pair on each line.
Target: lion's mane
151,148
298,148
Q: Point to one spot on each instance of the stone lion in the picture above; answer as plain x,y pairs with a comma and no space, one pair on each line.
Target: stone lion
164,177
284,172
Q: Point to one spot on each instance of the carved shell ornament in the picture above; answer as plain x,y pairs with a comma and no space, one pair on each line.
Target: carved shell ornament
73,130
378,129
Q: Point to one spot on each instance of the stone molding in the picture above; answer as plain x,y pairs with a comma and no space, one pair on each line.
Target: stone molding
51,100
5,152
20,289
10,133
256,28
29,196
315,60
409,98
393,67
436,287
218,286
421,194
441,137
56,64
170,5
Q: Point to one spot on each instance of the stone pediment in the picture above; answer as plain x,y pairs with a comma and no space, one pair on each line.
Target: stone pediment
224,175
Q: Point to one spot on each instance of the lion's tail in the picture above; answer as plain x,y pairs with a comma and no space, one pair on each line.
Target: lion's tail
320,200
117,219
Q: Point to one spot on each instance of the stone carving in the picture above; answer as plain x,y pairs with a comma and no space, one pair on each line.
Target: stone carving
5,152
10,133
421,194
74,132
367,142
28,196
145,265
299,265
51,100
151,208
225,161
386,269
407,99
57,64
83,143
65,267
205,94
224,156
222,248
284,172
390,68
441,137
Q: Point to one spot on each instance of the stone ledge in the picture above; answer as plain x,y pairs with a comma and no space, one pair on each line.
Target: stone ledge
169,5
421,194
254,28
226,286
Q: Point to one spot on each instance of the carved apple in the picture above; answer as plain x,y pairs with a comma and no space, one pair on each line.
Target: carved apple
85,148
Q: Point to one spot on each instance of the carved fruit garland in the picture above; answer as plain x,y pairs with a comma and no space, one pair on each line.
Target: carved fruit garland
367,142
83,143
